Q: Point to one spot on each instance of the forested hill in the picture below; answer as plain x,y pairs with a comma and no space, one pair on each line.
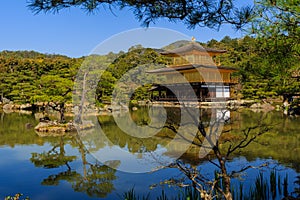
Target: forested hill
28,54
28,76
265,70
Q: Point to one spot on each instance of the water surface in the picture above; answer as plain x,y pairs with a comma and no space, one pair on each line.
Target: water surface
54,167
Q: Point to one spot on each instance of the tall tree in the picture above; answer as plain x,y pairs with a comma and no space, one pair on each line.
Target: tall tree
277,33
57,91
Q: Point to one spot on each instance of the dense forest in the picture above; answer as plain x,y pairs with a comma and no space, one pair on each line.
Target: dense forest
267,68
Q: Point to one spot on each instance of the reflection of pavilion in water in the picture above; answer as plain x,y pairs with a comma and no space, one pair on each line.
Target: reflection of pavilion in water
141,146
193,69
282,146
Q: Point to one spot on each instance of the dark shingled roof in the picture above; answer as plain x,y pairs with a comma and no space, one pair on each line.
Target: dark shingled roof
187,67
192,46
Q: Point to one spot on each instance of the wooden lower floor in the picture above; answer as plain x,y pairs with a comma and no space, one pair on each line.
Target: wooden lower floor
191,92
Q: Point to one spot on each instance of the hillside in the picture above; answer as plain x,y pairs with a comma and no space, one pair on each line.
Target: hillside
31,77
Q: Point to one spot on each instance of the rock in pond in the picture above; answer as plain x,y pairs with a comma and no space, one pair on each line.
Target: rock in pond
55,127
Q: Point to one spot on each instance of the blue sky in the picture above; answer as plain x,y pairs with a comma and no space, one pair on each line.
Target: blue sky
75,33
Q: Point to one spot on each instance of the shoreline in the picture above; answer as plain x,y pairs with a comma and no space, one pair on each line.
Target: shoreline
70,109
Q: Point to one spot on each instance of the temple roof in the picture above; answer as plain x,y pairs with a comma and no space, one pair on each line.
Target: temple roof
190,47
187,67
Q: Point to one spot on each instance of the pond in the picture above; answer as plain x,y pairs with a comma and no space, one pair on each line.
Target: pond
107,162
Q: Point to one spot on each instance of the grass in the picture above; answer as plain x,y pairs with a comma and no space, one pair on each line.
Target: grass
274,187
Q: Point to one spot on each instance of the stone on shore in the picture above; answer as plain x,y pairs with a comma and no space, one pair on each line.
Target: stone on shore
262,106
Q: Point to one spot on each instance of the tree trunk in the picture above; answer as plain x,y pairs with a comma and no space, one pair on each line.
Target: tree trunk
227,191
2,117
78,119
225,177
62,113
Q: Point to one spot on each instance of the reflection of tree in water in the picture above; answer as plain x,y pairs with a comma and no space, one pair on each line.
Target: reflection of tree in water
124,140
141,117
55,157
96,179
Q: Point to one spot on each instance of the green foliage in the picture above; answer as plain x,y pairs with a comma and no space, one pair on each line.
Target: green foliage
54,88
130,195
238,50
209,13
126,75
277,50
261,190
265,66
187,193
267,60
105,87
29,77
97,79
